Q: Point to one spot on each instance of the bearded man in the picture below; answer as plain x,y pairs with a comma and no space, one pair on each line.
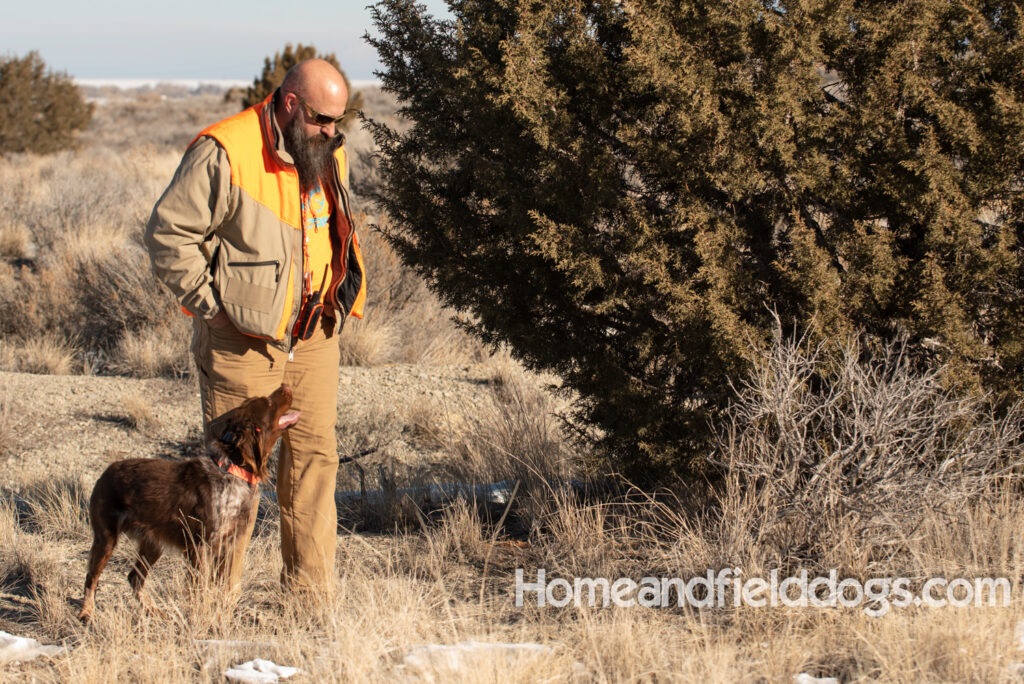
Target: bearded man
254,236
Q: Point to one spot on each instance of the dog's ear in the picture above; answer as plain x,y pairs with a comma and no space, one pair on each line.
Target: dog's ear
274,418
247,451
258,447
260,452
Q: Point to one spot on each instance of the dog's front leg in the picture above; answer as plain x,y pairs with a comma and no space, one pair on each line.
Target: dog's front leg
218,564
197,553
235,548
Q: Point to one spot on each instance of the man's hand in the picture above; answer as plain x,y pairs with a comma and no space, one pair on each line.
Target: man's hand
220,321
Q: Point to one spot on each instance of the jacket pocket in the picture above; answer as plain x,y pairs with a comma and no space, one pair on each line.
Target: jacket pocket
251,284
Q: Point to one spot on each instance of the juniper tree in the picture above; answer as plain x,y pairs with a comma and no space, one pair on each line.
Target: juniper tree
40,110
627,193
275,69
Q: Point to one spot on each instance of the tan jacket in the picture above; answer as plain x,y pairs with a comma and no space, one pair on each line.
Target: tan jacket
226,233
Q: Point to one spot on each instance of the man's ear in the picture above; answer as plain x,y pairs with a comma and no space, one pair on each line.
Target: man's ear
290,103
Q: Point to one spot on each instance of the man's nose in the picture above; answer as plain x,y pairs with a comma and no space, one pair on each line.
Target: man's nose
329,130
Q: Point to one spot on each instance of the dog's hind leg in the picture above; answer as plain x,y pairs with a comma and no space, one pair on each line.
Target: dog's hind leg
103,543
150,551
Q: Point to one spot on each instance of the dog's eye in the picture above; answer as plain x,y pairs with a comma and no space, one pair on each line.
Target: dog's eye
229,438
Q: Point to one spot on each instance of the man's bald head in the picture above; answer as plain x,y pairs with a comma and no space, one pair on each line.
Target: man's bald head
318,83
313,95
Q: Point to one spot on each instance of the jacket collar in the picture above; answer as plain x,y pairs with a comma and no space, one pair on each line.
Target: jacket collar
273,136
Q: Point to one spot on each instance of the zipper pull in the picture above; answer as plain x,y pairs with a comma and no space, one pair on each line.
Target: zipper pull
291,354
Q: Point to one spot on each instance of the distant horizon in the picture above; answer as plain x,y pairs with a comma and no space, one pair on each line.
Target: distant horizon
129,82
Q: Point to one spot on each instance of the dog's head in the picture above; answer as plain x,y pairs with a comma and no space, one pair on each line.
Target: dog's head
246,435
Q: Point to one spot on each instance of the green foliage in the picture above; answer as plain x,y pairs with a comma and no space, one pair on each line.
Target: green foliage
275,69
627,191
40,111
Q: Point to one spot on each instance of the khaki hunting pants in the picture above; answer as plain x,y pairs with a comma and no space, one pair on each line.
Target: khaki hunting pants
232,368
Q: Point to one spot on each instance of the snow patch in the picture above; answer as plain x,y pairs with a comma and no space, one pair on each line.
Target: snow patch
259,671
16,649
804,678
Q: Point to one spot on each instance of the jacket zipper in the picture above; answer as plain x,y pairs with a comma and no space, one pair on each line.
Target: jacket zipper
348,242
275,263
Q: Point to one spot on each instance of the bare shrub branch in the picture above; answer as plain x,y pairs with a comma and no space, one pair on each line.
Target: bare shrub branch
830,441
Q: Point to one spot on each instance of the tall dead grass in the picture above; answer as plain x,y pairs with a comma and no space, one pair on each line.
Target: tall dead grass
153,352
88,281
7,425
47,354
510,437
14,239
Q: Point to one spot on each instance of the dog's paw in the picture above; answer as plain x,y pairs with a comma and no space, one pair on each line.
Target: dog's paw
149,609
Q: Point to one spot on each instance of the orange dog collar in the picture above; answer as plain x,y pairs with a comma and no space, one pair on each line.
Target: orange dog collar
239,472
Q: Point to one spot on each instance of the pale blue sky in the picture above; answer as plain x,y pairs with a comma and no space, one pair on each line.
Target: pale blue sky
186,38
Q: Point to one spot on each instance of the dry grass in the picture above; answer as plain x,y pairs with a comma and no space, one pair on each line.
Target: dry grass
404,322
45,355
451,582
371,341
163,126
88,278
429,424
8,430
516,437
155,352
138,411
59,509
505,372
48,355
368,427
14,239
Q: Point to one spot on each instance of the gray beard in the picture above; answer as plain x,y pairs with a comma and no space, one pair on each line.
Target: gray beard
313,155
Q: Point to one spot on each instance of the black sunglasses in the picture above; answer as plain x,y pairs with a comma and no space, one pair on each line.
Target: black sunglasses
316,117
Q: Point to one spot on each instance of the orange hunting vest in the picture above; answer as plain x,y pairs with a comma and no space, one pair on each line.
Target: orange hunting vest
262,256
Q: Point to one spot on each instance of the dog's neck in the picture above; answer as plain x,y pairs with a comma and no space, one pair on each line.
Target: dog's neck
241,473
224,462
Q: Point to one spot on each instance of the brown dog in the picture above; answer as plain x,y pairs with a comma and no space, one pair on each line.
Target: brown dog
201,506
